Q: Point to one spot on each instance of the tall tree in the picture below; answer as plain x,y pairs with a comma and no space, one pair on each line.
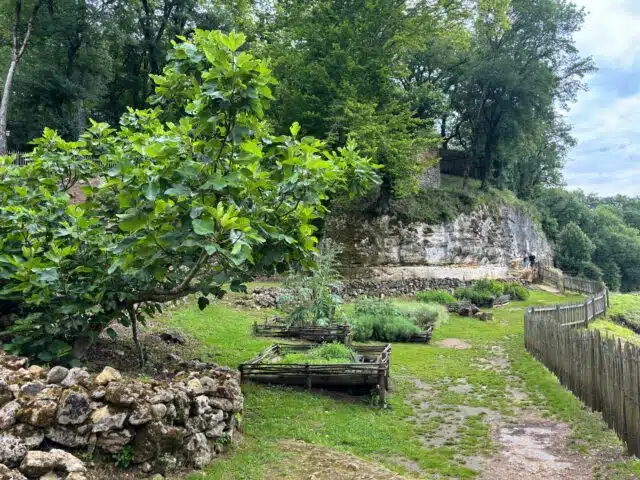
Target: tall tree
520,68
339,63
20,36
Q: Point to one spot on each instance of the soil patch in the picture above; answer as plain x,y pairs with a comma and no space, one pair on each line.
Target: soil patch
534,449
305,461
453,343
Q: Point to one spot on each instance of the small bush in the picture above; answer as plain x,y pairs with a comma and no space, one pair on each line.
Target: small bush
375,307
494,287
477,297
516,291
435,296
362,327
431,314
395,329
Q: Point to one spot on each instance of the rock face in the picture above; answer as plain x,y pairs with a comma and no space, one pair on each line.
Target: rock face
184,422
479,245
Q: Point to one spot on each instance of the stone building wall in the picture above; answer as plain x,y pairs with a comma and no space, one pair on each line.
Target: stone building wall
47,414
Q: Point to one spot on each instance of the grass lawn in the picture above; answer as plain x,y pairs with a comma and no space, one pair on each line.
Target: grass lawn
440,408
623,305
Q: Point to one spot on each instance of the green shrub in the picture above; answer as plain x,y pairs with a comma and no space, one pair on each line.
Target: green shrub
375,307
362,327
477,297
435,296
493,287
309,299
516,291
431,314
394,329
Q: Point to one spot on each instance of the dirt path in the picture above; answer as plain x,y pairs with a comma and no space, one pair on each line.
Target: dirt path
526,446
534,449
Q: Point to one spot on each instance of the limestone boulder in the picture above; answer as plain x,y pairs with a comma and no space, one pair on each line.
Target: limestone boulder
8,414
74,408
76,376
71,437
113,441
31,436
37,463
57,374
7,474
107,375
199,450
12,450
107,418
6,395
41,412
155,439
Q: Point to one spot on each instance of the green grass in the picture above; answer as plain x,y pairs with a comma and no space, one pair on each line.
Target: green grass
454,381
623,315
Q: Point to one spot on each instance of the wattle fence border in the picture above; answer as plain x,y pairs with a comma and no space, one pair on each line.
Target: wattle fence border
602,371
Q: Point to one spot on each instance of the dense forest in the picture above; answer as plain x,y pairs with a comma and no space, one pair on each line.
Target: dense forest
489,80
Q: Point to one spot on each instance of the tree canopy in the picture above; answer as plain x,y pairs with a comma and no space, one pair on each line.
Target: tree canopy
181,198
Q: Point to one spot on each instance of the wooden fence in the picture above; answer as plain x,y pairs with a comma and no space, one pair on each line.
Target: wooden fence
566,282
572,314
602,371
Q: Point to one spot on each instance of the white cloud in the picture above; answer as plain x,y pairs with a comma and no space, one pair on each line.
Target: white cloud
606,119
611,31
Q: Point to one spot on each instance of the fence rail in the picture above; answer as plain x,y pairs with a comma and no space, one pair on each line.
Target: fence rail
566,282
602,371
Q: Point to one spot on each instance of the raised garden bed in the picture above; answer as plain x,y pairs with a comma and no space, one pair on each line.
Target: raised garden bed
371,369
333,333
423,337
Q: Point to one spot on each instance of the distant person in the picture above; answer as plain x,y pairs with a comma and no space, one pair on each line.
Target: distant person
532,260
525,260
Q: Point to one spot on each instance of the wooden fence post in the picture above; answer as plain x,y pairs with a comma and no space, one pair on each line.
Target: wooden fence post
558,312
586,313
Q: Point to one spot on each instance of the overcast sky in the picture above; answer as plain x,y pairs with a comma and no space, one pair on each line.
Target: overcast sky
606,119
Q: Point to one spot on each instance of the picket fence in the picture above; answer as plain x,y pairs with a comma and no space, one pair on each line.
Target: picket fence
602,371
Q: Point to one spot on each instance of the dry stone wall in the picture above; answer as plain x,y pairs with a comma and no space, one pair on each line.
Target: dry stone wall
45,415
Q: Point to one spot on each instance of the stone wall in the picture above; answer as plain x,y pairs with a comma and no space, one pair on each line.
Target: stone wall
394,288
46,414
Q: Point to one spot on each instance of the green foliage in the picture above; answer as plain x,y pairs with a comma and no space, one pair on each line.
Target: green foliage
309,299
197,194
435,296
574,250
516,291
431,314
480,298
609,225
325,353
483,292
375,307
125,457
382,321
494,287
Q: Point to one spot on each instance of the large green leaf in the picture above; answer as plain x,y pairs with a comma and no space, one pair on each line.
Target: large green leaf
203,226
132,222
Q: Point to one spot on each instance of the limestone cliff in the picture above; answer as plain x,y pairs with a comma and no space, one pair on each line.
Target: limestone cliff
481,244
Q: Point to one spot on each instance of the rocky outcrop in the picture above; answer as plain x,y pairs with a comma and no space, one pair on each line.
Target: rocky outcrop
482,244
185,422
